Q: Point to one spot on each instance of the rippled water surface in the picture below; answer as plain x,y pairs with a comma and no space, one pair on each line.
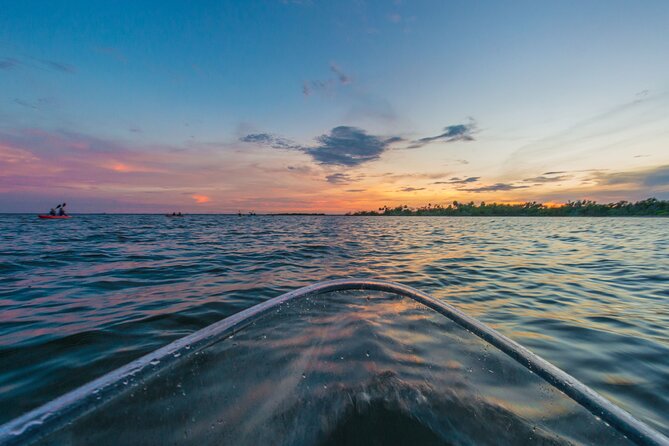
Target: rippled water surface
83,296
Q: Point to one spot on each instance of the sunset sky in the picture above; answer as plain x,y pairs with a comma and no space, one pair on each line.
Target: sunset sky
330,106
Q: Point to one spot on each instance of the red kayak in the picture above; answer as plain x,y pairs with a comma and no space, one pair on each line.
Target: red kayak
55,217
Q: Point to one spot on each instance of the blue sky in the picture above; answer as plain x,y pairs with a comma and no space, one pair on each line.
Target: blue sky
127,106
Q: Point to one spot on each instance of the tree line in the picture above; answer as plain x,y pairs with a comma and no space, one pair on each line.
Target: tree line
648,207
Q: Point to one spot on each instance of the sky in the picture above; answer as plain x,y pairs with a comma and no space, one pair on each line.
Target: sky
322,106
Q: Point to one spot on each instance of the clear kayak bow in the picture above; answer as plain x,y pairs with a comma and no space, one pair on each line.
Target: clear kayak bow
338,362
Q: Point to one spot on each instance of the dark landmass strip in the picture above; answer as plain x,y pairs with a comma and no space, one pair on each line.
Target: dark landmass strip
585,208
299,213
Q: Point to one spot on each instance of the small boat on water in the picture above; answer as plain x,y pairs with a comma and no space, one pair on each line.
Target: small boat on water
339,362
53,217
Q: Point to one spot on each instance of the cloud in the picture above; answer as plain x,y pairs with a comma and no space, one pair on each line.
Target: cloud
309,87
494,188
338,178
343,146
394,177
344,78
39,103
547,179
411,189
59,66
654,177
355,190
451,133
267,139
554,173
23,103
456,180
300,169
200,199
349,146
8,63
328,85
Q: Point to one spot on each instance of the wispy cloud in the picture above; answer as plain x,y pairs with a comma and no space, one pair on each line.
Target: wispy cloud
59,66
327,85
355,190
547,179
344,78
497,187
457,180
268,139
26,104
35,105
338,178
8,63
451,133
640,120
654,177
411,189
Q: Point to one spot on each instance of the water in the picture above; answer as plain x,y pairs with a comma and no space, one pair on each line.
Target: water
84,296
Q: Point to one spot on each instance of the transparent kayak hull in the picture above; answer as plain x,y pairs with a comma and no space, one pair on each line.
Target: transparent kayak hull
340,362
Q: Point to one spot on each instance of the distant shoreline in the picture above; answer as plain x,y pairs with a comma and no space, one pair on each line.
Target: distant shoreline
650,207
92,214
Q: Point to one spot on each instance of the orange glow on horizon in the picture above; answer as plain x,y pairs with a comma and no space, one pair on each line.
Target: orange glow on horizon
200,199
120,167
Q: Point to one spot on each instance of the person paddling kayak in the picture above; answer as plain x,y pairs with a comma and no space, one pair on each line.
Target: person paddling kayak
58,212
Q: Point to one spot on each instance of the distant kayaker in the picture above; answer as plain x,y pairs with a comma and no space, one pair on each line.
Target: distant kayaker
52,212
61,211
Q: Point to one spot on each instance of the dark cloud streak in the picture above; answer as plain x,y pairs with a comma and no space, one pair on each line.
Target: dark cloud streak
411,189
494,188
451,133
457,180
